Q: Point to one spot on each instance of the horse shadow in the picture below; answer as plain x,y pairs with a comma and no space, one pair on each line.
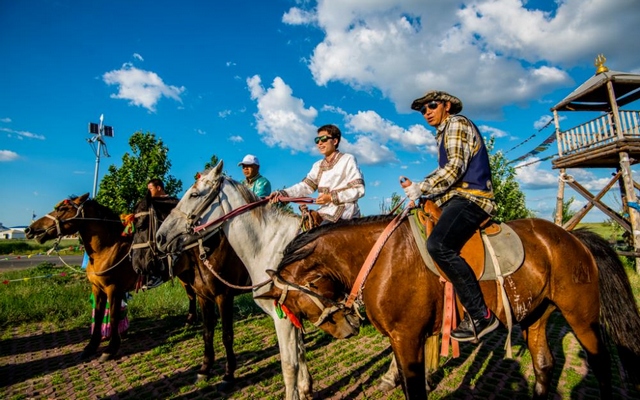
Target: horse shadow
144,335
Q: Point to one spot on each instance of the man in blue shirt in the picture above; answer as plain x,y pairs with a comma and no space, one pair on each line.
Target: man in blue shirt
260,185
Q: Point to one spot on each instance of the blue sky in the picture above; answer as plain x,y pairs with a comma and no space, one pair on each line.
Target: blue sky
259,77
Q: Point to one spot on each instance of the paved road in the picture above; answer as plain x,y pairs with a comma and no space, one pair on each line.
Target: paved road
13,262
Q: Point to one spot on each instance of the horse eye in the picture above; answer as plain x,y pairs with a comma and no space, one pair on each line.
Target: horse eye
193,195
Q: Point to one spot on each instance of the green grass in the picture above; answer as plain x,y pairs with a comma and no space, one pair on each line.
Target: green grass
51,294
27,247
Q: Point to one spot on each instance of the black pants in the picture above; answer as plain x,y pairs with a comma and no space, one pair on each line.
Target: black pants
459,220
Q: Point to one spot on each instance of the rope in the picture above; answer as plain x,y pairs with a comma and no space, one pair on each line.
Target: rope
231,285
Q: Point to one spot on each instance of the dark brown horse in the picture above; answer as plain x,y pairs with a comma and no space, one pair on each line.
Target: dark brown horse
575,273
210,291
109,270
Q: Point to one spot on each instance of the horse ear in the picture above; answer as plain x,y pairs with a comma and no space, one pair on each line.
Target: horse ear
218,168
82,198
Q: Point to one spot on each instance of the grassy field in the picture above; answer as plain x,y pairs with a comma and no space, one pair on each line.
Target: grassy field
26,247
44,324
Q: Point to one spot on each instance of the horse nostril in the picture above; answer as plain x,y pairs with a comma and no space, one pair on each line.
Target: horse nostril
27,230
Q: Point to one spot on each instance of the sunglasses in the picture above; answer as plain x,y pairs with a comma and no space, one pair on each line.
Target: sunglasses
432,105
322,138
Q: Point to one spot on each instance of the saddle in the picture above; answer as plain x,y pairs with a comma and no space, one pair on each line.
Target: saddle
504,242
493,252
310,218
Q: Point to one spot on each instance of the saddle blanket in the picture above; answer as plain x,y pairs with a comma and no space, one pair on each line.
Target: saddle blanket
506,245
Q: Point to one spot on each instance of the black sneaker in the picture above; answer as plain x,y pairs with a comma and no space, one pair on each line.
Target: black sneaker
473,329
152,282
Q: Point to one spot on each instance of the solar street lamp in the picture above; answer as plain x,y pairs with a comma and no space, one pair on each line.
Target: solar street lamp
97,143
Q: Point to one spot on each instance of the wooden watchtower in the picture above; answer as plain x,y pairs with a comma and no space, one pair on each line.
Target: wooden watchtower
611,140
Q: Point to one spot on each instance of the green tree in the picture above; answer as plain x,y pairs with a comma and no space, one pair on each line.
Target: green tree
391,205
121,188
509,198
567,213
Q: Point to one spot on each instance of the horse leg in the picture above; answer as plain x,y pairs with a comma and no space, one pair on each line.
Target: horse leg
535,335
191,295
208,329
98,315
590,337
409,353
391,378
115,305
225,306
295,374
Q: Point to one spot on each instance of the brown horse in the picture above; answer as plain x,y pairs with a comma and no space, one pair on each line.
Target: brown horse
109,270
149,214
575,273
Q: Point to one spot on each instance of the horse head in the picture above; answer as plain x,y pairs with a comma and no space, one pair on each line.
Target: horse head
205,200
63,220
309,294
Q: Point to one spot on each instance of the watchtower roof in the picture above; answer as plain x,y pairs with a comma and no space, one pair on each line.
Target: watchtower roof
593,96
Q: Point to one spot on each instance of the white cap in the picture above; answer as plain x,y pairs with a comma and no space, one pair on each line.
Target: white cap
249,159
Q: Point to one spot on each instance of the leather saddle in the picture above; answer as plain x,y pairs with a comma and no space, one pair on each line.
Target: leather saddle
506,245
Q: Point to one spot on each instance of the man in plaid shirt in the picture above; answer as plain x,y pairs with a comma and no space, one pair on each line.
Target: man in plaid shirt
461,187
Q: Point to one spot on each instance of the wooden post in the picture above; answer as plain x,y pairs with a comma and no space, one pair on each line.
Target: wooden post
560,196
625,167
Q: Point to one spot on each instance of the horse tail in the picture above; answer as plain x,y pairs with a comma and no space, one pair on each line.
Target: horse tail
619,315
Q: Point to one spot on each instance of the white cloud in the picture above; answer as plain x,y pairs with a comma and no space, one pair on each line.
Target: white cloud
236,139
542,122
297,16
138,57
224,113
8,155
142,88
201,132
23,134
492,132
507,51
5,120
532,177
282,120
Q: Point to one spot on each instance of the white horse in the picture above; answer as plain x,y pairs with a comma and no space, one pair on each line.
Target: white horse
259,238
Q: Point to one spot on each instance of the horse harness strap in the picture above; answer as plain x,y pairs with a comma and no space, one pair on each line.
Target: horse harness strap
503,294
286,286
372,257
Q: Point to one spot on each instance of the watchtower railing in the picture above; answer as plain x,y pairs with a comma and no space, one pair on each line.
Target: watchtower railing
599,132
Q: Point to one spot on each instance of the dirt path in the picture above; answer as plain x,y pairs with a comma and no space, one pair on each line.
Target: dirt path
159,359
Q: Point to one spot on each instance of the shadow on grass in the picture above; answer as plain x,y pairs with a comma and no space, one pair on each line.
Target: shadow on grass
144,335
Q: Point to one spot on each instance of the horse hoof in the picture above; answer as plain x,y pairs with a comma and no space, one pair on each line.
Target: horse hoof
85,355
385,386
201,377
106,357
226,384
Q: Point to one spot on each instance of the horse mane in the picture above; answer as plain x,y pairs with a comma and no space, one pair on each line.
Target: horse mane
296,250
104,212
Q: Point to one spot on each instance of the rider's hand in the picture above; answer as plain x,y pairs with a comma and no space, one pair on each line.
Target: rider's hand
411,189
324,198
274,197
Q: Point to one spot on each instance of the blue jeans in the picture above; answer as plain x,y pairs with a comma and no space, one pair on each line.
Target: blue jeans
459,220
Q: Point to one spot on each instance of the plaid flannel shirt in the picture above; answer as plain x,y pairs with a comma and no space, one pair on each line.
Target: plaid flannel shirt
459,140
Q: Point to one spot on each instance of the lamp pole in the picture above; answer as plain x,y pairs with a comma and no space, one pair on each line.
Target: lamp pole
100,131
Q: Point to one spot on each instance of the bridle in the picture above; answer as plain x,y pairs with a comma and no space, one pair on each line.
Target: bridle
58,222
80,216
318,299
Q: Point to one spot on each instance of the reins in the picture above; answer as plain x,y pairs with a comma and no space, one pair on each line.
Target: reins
219,221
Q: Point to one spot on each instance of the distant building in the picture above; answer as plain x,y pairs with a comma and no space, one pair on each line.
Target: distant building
17,232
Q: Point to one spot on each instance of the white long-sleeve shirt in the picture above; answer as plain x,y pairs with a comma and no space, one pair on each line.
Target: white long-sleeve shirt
341,177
